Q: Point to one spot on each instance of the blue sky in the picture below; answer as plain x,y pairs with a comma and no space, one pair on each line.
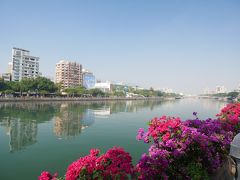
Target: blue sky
183,44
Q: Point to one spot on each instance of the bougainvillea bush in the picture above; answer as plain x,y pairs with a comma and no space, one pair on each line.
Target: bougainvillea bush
231,115
114,164
183,150
190,149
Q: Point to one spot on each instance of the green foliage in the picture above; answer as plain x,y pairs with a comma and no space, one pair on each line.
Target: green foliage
233,95
76,91
15,86
220,95
43,86
119,94
43,92
196,171
152,93
9,91
96,92
27,85
37,85
143,92
3,85
40,84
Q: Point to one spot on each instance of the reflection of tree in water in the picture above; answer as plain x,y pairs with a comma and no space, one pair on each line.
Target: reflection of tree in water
72,119
21,121
37,112
133,106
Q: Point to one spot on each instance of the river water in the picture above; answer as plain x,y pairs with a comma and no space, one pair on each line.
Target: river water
49,136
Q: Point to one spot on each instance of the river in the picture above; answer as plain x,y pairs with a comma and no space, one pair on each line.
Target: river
49,136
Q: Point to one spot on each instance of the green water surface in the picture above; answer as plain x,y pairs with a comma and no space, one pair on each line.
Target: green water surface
49,136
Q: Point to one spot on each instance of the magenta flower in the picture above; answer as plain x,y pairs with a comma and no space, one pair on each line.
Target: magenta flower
45,175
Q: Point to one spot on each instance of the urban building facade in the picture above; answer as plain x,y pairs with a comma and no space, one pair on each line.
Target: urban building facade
208,91
89,79
120,87
69,74
167,90
6,76
220,89
24,65
104,86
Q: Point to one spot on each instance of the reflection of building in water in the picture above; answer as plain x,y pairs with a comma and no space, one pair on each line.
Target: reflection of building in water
21,119
67,125
71,121
102,113
21,134
88,118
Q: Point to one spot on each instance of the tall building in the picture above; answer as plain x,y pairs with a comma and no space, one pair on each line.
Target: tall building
220,89
24,65
69,74
89,79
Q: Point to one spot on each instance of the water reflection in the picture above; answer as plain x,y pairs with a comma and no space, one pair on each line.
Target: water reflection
20,134
214,103
69,119
72,119
20,121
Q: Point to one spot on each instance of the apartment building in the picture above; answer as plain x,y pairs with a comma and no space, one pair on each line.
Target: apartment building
24,65
69,74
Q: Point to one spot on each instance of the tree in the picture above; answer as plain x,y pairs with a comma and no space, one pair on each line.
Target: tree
13,85
58,87
80,90
3,85
42,83
119,94
96,92
27,85
71,91
43,93
220,95
9,91
233,95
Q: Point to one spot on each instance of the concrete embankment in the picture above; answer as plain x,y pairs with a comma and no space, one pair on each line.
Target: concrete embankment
32,99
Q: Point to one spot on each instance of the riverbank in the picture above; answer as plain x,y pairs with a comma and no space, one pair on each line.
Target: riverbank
44,99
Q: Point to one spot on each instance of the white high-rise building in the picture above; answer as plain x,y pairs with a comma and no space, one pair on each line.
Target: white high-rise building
220,89
24,65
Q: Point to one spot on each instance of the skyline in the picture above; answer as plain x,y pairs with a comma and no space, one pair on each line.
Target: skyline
186,46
